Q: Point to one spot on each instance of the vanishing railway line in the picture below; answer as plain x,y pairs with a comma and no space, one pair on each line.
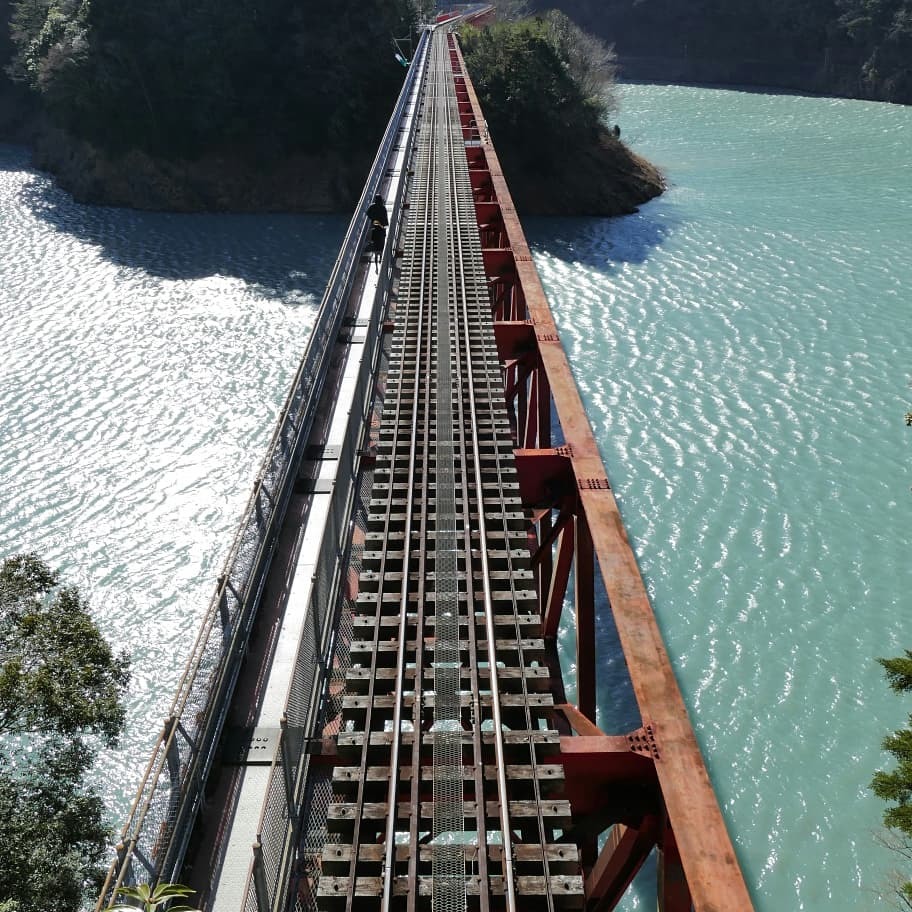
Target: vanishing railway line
373,716
447,599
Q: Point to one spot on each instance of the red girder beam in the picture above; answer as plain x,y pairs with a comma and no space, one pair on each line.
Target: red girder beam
545,476
480,179
707,855
604,775
515,339
477,160
498,261
488,213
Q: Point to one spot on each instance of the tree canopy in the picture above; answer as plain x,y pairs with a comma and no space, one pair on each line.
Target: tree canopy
57,673
895,786
178,78
61,690
543,84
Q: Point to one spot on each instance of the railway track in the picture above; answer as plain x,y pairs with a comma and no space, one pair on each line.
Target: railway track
443,796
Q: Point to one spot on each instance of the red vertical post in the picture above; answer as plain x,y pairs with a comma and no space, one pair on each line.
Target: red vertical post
674,894
545,566
584,592
544,406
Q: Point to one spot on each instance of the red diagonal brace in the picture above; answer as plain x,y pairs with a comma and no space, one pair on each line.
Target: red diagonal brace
560,575
624,853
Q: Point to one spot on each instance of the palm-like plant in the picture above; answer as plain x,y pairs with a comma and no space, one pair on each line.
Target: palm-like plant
152,899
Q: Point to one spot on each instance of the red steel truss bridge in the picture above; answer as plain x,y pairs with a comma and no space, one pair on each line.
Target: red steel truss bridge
374,715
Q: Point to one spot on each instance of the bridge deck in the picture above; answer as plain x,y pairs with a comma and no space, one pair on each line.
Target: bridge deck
459,754
373,716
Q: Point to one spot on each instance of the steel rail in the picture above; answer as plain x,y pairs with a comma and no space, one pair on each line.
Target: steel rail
484,358
501,766
448,871
389,861
477,709
507,841
423,341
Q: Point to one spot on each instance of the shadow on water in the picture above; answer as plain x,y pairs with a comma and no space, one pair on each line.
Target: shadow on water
603,243
281,256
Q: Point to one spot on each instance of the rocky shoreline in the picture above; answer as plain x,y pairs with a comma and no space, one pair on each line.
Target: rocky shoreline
218,182
600,179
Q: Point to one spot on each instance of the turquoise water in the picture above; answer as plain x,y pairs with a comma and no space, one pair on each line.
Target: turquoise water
143,360
741,345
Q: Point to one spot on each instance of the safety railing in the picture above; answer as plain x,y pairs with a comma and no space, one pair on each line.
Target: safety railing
273,858
154,839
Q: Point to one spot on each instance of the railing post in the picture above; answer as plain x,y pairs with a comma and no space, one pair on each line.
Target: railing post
259,878
173,753
285,761
223,604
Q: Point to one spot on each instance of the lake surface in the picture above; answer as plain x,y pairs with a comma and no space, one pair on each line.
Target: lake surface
143,361
740,346
742,349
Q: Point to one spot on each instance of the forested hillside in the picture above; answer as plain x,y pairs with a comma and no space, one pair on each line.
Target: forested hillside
174,77
546,90
859,48
241,85
280,104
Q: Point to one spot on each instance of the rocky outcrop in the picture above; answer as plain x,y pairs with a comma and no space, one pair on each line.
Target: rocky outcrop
602,179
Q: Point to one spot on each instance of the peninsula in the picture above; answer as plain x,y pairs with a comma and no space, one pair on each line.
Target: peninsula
278,108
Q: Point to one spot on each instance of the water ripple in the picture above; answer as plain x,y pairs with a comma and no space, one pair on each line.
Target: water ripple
736,346
143,360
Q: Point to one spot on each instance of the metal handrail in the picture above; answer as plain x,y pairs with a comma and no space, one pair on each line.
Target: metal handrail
263,895
171,788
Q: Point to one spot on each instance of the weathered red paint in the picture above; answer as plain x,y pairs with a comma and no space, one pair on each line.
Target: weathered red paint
685,820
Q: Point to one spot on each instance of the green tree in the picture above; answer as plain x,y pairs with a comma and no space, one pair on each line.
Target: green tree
528,78
151,899
61,690
179,79
896,786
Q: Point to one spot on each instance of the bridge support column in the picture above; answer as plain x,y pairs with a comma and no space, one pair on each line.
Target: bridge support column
674,894
548,488
612,784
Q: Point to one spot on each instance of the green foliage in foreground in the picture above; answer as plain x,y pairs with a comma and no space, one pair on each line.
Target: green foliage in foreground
61,690
896,786
152,899
543,84
178,79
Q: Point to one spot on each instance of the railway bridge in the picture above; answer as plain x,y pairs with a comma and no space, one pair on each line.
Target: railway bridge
374,714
